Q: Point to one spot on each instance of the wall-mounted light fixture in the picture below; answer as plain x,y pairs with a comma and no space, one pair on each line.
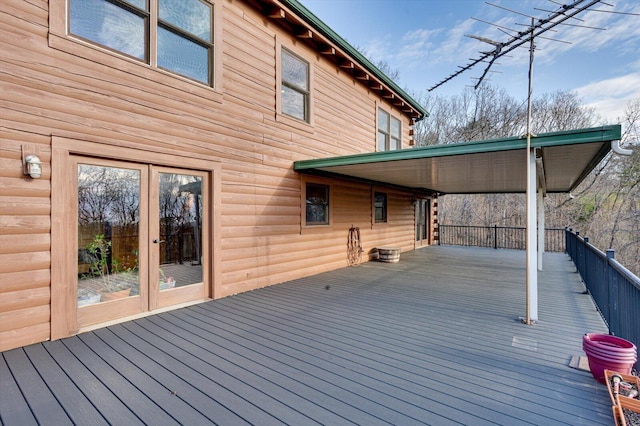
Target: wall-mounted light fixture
33,166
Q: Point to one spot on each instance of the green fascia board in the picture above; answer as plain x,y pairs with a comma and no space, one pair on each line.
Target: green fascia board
323,28
570,137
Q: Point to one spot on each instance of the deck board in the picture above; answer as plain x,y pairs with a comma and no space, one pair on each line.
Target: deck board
433,339
14,409
41,401
175,408
78,408
180,382
306,377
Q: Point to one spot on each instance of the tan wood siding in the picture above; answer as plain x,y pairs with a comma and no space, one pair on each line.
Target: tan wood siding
54,85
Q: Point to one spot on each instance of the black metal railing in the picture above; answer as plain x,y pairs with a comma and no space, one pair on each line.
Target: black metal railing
498,237
614,289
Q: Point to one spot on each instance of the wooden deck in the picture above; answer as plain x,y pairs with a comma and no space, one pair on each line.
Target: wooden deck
433,339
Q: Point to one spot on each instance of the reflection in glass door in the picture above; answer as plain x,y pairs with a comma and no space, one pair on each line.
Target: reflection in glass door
177,243
110,206
140,242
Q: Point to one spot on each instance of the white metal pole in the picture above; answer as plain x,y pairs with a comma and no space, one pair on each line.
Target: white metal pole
541,231
532,268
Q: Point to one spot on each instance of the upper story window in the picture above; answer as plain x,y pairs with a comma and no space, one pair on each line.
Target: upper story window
295,86
389,131
175,35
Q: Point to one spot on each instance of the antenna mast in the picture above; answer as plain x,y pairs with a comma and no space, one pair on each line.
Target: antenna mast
536,29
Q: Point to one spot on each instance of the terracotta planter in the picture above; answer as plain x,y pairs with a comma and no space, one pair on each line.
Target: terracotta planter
114,295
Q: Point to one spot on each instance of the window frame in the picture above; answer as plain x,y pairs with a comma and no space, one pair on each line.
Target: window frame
305,92
130,9
384,208
293,49
184,34
61,38
305,203
386,131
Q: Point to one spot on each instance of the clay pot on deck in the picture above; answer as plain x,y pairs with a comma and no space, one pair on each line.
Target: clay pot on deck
606,352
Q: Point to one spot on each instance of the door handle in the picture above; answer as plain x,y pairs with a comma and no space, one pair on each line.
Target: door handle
156,241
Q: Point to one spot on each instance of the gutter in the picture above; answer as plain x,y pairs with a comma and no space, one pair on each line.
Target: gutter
615,147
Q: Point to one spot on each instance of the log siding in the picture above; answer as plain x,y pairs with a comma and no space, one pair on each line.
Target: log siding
54,86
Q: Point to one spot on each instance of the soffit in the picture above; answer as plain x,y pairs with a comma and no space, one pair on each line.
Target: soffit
493,166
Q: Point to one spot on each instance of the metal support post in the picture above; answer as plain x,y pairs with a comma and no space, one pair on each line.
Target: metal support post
532,258
541,231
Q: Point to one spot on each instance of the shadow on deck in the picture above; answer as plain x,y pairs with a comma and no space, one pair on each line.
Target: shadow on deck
433,339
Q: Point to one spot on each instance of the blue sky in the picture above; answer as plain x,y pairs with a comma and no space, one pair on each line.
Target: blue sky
425,40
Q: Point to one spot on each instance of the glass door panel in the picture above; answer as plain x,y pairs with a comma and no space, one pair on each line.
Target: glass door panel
139,240
177,236
111,206
423,209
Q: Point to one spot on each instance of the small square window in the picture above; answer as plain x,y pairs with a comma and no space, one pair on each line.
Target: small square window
380,207
317,204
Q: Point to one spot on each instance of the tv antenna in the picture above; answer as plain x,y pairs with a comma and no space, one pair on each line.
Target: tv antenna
535,30
499,49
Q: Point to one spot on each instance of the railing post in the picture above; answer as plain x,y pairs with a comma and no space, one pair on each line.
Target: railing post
495,237
612,294
585,268
578,259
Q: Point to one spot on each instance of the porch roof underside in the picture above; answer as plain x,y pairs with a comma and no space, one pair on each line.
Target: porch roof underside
491,166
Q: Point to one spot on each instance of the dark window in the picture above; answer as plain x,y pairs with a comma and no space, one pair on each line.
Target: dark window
317,204
184,28
380,207
389,131
295,86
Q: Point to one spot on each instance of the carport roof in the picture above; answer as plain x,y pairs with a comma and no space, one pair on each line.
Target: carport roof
489,166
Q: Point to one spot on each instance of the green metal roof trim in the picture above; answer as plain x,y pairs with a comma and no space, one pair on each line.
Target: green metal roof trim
571,137
323,28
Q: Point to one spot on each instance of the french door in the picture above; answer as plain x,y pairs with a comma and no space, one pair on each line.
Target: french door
139,238
423,222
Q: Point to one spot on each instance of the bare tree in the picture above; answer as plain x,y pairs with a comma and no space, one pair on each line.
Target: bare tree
382,65
480,114
606,206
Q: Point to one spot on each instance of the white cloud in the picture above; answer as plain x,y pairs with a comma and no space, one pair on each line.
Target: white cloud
417,44
621,34
379,48
456,46
610,97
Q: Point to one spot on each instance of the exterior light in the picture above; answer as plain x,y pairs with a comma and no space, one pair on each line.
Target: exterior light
33,165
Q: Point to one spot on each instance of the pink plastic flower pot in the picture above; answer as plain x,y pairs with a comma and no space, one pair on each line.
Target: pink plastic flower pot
605,352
